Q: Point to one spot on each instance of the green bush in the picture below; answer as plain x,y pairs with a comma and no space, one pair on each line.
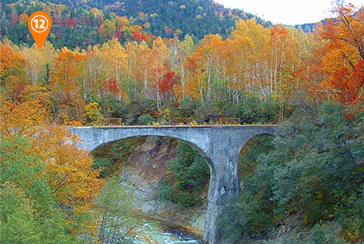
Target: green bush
253,110
113,205
28,212
109,156
232,222
317,235
351,219
186,178
145,119
325,233
315,158
253,212
120,149
104,164
166,190
138,107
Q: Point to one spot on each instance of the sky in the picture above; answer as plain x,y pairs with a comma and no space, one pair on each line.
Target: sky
288,12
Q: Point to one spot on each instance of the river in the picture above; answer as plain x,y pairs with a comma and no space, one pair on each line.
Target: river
154,232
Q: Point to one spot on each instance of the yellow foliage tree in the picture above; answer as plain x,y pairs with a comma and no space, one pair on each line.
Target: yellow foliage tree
93,115
67,76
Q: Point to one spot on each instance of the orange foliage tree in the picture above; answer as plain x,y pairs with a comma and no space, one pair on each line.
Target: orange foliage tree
12,72
67,77
343,54
68,83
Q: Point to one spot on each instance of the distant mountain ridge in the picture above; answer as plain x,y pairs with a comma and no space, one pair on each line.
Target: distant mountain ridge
308,27
82,23
193,17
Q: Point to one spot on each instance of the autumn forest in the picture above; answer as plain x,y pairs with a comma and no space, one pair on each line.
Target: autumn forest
98,65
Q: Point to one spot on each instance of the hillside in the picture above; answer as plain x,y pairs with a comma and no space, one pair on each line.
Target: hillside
83,23
165,17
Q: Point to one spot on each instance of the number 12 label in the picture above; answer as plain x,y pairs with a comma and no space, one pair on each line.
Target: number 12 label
39,23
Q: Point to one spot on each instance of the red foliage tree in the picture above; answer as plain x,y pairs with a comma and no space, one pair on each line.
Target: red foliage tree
14,19
139,36
167,83
349,84
71,22
118,34
111,86
168,29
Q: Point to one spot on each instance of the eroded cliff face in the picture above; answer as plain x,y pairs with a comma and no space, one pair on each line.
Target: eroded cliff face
141,173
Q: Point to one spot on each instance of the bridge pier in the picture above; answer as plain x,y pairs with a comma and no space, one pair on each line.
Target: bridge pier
219,145
224,184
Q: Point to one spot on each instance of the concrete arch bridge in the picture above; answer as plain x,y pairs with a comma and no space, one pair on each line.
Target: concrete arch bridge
219,145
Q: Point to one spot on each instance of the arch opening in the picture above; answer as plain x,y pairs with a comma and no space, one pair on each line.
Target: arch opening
253,204
249,154
146,175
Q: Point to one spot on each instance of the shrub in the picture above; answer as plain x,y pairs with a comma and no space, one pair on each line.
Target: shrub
109,156
120,149
253,110
186,178
145,119
104,164
93,114
317,236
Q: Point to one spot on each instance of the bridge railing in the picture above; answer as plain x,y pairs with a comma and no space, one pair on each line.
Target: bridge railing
221,121
175,121
230,121
113,121
182,121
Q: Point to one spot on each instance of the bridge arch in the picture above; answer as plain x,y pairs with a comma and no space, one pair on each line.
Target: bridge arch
252,137
249,153
192,144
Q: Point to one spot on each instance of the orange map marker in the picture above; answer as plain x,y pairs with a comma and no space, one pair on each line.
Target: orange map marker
40,24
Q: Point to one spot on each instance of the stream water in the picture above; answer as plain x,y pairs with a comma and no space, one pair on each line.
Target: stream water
154,232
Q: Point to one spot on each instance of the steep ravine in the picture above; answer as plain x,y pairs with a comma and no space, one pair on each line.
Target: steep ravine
141,173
